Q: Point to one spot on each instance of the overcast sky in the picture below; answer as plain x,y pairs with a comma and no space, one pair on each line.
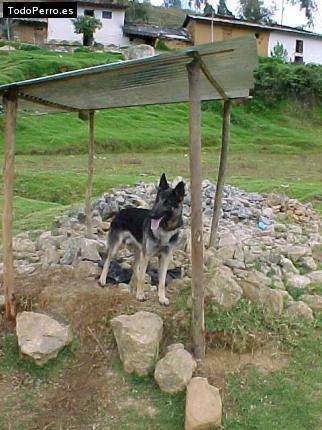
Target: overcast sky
293,16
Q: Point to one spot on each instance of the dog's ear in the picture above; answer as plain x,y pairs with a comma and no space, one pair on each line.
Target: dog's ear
163,184
179,191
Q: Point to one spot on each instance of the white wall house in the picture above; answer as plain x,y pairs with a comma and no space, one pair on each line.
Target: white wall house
111,33
301,47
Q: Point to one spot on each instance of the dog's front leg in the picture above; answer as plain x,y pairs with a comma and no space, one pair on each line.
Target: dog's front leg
140,282
164,261
106,266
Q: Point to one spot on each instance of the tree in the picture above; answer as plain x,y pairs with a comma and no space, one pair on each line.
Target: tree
138,12
254,10
208,10
87,25
172,3
310,6
223,9
280,52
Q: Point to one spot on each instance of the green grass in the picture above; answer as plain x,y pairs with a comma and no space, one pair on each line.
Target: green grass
12,360
46,185
288,399
19,65
151,128
168,408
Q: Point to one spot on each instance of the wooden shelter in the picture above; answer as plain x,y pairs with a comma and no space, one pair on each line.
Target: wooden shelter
222,70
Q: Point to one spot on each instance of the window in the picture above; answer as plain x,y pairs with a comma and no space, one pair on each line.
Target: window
298,59
107,14
89,12
299,47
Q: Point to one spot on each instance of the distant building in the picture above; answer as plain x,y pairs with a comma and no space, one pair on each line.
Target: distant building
110,12
152,34
38,31
302,46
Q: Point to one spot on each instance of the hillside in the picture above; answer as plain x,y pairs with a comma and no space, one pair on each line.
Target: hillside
170,17
283,117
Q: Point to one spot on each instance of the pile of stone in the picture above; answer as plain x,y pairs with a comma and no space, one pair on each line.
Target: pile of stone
260,252
301,213
138,339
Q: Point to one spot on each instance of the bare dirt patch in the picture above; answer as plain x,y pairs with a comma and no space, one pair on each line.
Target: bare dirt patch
87,391
219,363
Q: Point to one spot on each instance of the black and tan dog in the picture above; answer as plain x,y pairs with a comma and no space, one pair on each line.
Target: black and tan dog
150,233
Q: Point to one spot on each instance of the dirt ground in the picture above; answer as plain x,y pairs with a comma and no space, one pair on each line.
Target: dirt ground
89,386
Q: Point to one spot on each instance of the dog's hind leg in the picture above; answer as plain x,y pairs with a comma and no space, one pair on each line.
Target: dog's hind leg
140,282
136,268
164,261
115,239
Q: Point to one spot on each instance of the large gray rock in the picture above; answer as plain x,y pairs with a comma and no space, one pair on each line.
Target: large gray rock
266,297
41,337
86,269
226,252
51,256
138,337
295,252
174,371
297,281
300,310
272,300
222,287
315,276
288,266
140,51
227,239
23,245
258,278
307,263
313,300
89,250
203,405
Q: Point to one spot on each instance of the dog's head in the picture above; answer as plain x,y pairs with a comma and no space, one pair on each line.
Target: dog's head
168,205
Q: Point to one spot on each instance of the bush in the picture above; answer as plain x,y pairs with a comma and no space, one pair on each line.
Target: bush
161,46
275,81
28,47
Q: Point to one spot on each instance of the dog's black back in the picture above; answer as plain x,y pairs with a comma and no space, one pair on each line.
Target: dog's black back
133,220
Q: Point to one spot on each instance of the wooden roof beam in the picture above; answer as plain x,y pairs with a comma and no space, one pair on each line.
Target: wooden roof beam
47,103
209,76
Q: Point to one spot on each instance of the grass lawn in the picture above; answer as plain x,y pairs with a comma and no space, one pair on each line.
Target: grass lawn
46,185
282,130
20,65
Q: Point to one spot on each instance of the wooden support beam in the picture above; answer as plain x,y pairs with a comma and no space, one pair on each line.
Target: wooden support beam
10,103
46,103
221,174
209,76
90,169
198,325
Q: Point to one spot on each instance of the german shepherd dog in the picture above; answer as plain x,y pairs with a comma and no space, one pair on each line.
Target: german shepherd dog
148,233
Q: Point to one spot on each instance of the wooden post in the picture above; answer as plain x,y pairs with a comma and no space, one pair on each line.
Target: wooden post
90,169
221,173
10,102
198,325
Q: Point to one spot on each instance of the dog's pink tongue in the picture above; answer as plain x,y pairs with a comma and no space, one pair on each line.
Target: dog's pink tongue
155,224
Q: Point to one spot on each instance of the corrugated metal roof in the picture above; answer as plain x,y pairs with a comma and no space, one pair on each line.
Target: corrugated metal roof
249,24
152,80
133,29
